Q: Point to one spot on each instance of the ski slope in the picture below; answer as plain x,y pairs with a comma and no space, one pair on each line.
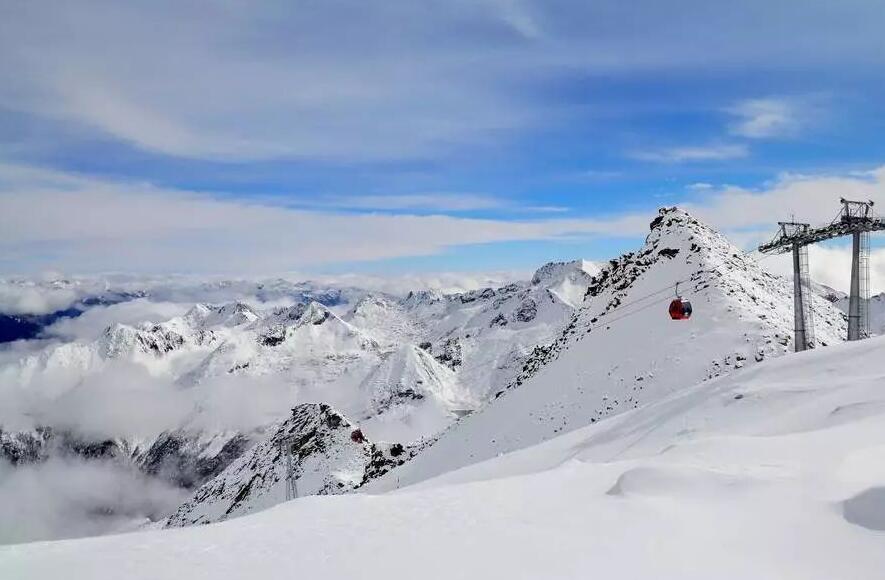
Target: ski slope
776,471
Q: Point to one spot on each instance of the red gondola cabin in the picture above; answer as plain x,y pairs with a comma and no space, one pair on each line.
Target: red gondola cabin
680,309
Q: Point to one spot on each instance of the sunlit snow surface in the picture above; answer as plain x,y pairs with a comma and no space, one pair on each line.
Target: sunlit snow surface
776,471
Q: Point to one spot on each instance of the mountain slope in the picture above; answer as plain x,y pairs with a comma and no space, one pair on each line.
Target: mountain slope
771,472
412,393
329,456
622,350
486,335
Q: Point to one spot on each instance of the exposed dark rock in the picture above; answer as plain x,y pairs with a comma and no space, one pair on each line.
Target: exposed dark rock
526,311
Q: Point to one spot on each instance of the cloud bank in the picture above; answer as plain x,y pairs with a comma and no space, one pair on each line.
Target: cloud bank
68,498
54,220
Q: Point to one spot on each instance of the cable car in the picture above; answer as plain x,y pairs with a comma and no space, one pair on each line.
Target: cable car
680,308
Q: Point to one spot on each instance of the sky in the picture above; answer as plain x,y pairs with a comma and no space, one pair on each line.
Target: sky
389,137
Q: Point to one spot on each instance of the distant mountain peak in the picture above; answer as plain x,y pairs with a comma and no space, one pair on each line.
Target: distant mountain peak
316,314
555,272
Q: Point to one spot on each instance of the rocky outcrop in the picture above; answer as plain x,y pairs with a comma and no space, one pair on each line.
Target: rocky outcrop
329,455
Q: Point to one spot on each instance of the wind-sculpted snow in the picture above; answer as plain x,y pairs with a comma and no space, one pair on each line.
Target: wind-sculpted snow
622,350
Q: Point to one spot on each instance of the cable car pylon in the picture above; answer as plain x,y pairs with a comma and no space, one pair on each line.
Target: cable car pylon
856,218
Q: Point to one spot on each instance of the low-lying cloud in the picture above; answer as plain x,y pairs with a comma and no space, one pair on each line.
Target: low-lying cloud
67,498
123,400
93,322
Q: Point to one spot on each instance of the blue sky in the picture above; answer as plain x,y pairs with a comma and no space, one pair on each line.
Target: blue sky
540,130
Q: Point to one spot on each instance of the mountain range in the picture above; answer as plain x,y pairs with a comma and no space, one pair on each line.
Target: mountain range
382,391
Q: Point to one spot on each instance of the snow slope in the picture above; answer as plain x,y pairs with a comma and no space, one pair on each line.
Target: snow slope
623,351
771,472
486,335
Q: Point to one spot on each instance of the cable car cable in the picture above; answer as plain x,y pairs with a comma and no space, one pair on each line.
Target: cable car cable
670,287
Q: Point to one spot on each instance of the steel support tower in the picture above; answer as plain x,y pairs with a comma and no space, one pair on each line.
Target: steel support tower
286,455
855,219
789,239
858,212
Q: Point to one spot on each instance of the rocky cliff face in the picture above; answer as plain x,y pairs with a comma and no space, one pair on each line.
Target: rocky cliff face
329,455
36,445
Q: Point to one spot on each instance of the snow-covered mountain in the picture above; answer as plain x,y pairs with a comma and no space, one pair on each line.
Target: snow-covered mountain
487,335
773,471
329,456
402,368
452,379
623,351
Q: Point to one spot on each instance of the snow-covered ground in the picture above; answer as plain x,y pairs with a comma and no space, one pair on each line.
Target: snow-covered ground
772,472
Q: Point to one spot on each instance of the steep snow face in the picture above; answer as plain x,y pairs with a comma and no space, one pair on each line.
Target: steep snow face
386,319
329,456
623,350
729,479
317,344
567,280
484,336
189,458
412,393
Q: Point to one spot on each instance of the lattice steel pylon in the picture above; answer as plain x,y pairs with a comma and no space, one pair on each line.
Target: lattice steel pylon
805,304
864,263
286,455
859,213
855,219
789,239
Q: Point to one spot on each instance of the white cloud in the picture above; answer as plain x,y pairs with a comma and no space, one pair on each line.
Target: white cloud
86,225
392,79
687,154
444,282
26,298
92,323
444,202
66,498
807,198
749,217
141,228
832,266
767,118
